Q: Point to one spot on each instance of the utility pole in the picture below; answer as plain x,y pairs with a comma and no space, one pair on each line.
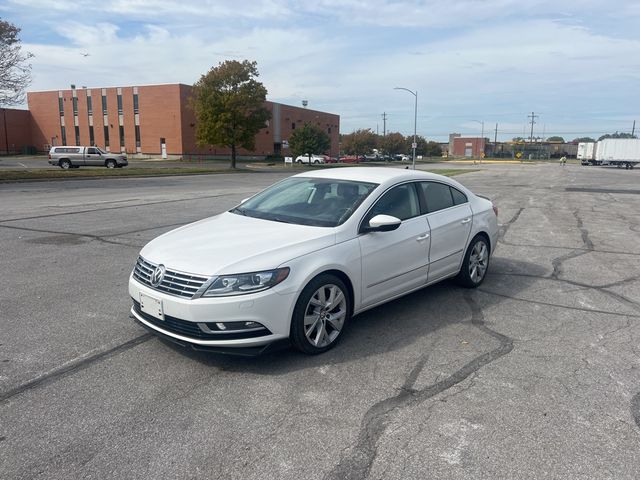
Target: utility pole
533,117
633,129
495,141
384,124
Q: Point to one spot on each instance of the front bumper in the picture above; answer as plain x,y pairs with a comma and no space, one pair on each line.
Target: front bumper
185,320
122,162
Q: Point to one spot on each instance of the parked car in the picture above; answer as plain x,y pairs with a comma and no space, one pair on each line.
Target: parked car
296,261
351,159
73,157
306,158
401,157
328,159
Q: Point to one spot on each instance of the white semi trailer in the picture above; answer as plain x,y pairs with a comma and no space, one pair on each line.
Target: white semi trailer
621,152
586,152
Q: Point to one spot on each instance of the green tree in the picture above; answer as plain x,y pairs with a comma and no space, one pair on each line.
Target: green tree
393,143
309,139
229,104
15,72
555,139
423,147
432,149
359,142
617,135
518,139
583,140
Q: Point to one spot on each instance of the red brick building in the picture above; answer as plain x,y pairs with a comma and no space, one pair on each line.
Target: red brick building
150,120
15,131
468,147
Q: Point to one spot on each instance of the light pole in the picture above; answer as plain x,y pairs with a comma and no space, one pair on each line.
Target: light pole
481,138
415,122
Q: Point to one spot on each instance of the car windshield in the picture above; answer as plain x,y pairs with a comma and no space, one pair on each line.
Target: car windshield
319,202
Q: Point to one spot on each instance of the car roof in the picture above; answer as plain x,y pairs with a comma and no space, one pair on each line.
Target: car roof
379,175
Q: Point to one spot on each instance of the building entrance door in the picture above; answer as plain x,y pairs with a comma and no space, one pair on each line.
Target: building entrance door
163,148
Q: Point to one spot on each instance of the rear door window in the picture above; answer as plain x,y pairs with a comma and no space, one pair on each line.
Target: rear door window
458,197
437,196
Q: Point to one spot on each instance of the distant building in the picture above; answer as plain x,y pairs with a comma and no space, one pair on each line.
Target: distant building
15,131
470,147
151,119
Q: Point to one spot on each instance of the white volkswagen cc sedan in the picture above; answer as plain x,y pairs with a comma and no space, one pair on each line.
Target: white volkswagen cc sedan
296,261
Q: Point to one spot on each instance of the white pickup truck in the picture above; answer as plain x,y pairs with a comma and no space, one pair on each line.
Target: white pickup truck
74,157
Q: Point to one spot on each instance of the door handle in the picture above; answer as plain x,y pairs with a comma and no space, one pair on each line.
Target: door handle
422,237
466,220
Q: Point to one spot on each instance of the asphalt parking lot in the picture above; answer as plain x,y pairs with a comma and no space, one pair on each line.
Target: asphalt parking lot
534,375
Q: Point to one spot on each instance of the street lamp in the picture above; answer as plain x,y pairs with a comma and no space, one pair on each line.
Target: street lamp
482,138
415,122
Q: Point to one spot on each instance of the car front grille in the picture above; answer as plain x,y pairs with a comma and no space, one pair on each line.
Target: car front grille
174,283
192,330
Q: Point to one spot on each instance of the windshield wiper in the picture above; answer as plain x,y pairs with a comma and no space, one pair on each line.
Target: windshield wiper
239,211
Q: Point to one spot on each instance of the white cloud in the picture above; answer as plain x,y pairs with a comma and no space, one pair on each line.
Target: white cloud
491,60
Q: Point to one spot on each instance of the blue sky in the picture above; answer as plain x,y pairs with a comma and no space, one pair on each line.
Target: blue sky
575,63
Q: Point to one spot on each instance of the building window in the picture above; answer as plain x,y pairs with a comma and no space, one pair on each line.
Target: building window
89,105
119,104
92,140
75,105
121,128
136,108
77,131
63,132
329,130
293,125
106,135
61,106
104,104
137,135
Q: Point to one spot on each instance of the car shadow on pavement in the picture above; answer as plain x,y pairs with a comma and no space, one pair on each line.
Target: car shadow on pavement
389,327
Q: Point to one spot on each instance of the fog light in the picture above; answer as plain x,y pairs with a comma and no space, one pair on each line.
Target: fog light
213,327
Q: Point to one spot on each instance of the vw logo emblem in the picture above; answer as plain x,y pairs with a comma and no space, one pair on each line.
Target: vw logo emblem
157,275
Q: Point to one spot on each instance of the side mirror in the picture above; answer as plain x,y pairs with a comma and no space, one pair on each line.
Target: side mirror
382,223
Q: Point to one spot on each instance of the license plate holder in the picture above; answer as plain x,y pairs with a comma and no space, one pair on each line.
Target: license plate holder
152,306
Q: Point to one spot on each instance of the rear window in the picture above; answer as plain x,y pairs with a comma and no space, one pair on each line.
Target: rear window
66,150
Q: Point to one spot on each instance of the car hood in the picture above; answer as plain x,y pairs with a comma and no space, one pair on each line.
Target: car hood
230,243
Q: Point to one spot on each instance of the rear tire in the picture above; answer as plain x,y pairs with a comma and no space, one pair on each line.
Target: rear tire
475,263
65,164
322,311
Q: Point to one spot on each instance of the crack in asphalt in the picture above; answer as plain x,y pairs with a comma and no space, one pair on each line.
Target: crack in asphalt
635,408
72,234
557,305
119,207
502,231
587,248
74,366
358,463
556,247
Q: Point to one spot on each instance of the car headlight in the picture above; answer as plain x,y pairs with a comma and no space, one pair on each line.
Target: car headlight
243,283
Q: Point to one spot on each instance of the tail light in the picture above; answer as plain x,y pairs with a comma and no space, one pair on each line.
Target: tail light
49,156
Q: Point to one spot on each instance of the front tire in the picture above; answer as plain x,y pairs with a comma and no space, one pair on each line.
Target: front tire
110,164
475,263
320,315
